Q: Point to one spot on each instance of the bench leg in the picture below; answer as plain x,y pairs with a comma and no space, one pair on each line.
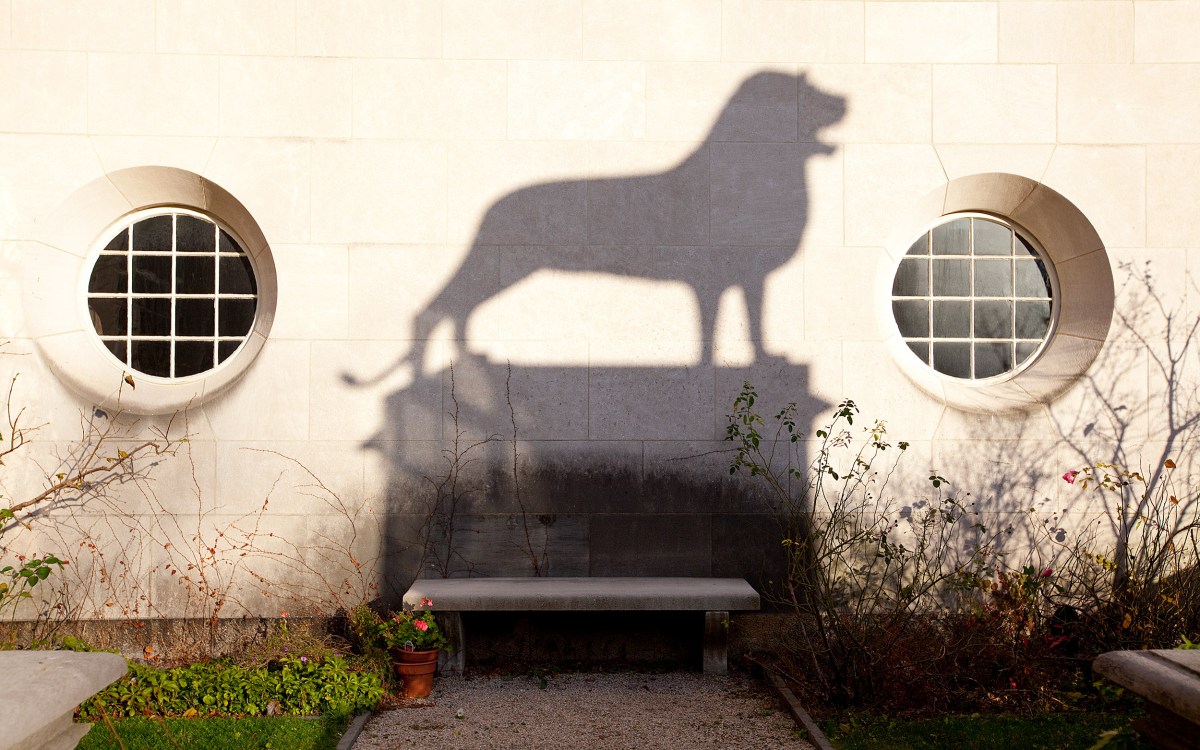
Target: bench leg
716,642
452,628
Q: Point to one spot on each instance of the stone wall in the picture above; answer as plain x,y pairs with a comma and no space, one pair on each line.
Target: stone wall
601,216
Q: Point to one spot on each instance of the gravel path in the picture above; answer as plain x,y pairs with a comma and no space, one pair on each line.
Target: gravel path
588,712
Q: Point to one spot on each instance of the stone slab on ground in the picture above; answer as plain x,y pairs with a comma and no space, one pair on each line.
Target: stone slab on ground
40,691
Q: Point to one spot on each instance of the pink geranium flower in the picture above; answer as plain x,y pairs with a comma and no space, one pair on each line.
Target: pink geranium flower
421,625
1069,477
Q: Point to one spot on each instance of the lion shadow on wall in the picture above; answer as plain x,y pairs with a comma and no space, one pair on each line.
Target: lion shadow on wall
725,218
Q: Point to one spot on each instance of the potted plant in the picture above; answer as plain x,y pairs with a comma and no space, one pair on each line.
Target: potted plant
414,640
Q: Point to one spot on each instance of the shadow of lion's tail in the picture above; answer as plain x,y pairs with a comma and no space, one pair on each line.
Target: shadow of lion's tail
414,359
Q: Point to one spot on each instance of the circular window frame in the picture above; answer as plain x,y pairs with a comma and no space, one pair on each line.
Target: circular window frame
1052,278
1083,296
56,300
121,225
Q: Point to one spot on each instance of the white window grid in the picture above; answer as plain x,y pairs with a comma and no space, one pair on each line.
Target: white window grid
1015,254
129,296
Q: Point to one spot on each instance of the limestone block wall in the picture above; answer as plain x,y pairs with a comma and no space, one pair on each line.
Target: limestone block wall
591,218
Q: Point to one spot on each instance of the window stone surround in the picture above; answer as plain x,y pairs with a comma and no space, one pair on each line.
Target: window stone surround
1085,298
55,296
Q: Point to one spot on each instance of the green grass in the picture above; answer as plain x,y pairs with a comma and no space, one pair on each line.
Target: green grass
258,733
1055,731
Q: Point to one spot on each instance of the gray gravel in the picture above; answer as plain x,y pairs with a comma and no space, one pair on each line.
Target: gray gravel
600,711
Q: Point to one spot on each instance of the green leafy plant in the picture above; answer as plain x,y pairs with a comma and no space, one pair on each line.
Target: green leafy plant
292,686
25,575
412,629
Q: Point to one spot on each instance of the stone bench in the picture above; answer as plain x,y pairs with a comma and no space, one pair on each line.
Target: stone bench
41,690
1170,683
716,597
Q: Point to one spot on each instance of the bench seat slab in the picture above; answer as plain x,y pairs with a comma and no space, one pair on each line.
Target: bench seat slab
714,596
1170,681
583,594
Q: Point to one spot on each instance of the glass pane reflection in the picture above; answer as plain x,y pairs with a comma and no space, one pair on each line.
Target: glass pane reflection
951,238
912,318
912,278
952,358
951,278
951,319
992,238
993,278
992,359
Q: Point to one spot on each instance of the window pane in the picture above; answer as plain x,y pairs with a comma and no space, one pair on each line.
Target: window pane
993,278
153,234
1025,351
225,349
110,275
108,316
1033,320
951,278
194,235
151,274
195,274
912,278
992,238
192,357
195,317
952,358
920,247
151,317
992,360
237,276
919,348
951,238
951,319
237,317
912,318
151,357
118,244
228,245
1032,279
117,348
1023,249
993,319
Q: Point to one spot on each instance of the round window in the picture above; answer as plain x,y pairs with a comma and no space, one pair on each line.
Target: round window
172,294
974,298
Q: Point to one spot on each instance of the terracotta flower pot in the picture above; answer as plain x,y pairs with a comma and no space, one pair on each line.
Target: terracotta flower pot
415,669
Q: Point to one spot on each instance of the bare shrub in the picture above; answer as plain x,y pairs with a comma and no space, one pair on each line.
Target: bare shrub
866,577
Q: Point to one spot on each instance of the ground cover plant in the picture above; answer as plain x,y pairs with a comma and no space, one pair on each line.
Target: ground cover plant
294,686
290,674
